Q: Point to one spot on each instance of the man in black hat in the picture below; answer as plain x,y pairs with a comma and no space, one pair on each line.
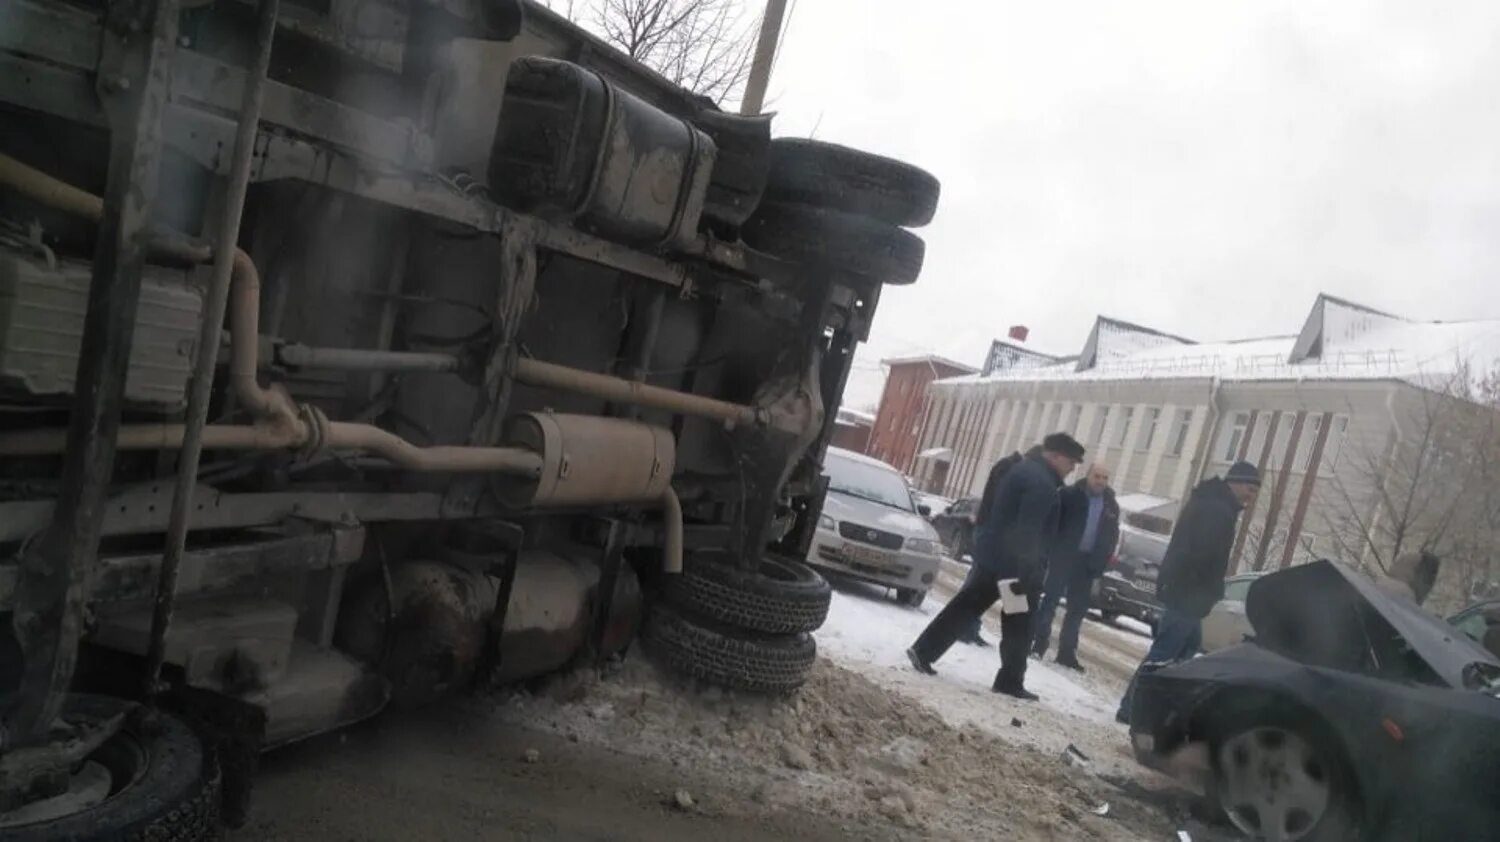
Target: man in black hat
1009,544
1191,578
997,473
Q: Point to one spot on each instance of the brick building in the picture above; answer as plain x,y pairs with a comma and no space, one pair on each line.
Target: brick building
894,437
851,430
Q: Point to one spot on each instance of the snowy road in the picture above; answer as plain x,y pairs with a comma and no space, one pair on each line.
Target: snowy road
867,632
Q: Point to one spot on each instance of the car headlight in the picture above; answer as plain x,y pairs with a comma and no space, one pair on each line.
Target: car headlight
922,545
827,523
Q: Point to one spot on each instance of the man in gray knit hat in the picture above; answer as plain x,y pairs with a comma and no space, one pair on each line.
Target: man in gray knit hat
1191,578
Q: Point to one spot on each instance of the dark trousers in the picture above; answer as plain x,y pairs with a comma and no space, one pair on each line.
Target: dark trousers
1068,582
971,633
980,591
1178,637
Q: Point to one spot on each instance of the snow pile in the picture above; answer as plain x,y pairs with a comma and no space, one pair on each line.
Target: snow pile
843,747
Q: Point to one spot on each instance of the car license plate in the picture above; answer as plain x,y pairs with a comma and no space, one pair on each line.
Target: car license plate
866,555
1146,587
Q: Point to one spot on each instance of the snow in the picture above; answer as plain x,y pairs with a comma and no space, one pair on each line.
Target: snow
1357,343
870,637
868,633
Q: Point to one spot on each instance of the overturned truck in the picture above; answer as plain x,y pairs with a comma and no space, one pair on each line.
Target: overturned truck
356,351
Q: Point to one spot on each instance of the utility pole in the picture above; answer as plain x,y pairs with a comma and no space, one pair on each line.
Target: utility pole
765,53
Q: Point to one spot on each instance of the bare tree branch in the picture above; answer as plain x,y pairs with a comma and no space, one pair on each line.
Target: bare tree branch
1433,486
702,45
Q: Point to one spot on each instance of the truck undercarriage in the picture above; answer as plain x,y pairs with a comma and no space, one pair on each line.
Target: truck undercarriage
355,352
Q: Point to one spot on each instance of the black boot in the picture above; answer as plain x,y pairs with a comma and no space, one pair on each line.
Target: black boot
1071,662
1015,691
919,663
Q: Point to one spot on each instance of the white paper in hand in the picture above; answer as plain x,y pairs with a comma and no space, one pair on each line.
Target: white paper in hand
1011,600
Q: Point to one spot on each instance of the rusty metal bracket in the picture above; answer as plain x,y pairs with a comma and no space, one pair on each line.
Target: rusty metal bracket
618,536
134,83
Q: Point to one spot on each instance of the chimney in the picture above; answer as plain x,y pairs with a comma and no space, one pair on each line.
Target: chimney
1019,332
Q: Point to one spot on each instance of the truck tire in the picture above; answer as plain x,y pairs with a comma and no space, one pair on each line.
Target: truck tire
911,597
772,664
781,596
836,240
827,175
170,790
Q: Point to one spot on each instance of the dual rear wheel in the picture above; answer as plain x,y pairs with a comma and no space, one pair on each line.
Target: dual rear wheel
740,629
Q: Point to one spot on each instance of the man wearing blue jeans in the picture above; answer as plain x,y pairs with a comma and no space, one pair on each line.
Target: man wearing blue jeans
1088,530
1191,578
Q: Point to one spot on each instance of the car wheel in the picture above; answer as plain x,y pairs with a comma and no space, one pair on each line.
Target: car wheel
780,596
827,175
760,663
1277,777
833,239
149,781
911,597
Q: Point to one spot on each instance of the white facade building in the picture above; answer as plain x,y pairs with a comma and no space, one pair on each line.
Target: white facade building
1164,412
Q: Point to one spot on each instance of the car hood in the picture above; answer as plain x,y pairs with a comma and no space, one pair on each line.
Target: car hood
842,507
1326,614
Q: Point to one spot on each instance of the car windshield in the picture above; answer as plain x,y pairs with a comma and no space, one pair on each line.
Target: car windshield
876,483
1142,546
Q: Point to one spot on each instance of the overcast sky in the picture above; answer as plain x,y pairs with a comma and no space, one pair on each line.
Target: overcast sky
1205,168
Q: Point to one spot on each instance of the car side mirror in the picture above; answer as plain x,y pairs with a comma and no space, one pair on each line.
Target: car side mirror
924,511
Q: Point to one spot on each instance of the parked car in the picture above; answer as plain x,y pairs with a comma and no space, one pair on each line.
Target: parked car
955,526
870,529
1481,622
1226,624
1128,586
1352,714
930,505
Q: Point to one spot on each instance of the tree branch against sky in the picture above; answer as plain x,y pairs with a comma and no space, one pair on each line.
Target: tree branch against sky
702,45
1433,491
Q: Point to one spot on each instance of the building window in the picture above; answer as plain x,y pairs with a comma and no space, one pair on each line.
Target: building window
1180,432
1148,429
1053,413
1096,435
1122,432
1074,411
1309,441
1334,447
1238,424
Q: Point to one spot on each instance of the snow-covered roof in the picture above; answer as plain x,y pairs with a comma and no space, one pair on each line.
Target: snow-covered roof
1340,340
937,454
932,359
1005,354
1113,339
855,416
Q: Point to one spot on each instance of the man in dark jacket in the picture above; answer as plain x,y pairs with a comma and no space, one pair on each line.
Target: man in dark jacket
997,472
1191,578
1088,530
1010,544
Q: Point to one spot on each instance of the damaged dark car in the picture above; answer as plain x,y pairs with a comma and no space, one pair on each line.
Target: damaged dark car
1351,714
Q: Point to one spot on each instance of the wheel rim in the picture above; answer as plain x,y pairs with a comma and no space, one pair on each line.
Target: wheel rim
1273,784
114,767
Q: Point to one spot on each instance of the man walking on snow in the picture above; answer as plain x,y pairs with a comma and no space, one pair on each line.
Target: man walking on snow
1088,529
1018,529
1191,578
997,472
